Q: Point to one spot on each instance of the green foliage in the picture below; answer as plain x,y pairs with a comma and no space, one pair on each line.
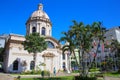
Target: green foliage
75,71
94,69
1,50
113,74
51,78
45,73
36,72
34,43
85,78
1,54
80,37
31,72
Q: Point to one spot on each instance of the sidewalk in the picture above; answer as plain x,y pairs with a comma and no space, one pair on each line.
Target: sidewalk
6,77
111,78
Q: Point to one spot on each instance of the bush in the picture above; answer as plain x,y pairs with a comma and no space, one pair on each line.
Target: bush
32,72
26,72
76,71
85,78
45,73
36,72
51,78
94,69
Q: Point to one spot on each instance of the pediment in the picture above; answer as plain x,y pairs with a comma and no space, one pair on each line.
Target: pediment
48,55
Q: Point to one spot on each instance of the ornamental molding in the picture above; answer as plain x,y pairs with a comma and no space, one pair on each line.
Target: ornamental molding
22,54
14,45
48,55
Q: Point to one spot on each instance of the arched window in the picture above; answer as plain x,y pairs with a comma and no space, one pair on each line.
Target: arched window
50,44
43,31
32,65
15,65
33,29
49,32
63,56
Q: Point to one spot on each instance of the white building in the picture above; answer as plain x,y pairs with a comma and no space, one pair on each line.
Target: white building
113,33
16,56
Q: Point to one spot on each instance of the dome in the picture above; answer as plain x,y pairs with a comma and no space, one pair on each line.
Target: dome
40,12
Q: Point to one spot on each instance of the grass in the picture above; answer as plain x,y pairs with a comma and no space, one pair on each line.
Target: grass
52,78
112,74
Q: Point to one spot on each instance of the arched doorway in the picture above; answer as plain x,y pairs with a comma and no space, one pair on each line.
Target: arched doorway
32,65
48,60
15,65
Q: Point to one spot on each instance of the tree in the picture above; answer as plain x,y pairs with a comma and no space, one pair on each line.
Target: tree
68,38
115,47
80,37
1,54
34,43
98,31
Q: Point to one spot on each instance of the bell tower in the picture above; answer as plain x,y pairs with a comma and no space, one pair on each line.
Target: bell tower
39,22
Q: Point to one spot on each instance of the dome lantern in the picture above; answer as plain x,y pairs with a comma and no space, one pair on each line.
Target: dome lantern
40,7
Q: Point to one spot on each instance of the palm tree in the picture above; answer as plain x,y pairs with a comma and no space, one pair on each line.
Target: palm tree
80,37
98,31
115,46
34,44
70,46
83,38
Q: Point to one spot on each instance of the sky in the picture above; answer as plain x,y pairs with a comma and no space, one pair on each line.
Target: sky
15,13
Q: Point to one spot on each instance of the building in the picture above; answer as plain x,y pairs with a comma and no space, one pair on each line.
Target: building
113,33
3,39
17,59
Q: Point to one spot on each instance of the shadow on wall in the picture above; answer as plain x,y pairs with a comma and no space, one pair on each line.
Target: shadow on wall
17,66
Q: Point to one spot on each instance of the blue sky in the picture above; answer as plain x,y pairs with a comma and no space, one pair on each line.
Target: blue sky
14,14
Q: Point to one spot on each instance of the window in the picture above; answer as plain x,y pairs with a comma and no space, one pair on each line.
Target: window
49,32
32,65
63,56
15,65
50,44
33,29
43,31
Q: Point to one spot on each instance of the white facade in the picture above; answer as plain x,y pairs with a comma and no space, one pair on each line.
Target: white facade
113,33
17,59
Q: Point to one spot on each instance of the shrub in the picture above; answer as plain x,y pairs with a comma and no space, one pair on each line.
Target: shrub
36,72
85,78
76,71
45,73
32,72
94,69
26,72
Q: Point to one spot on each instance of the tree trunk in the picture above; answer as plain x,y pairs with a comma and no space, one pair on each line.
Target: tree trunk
84,66
34,59
76,61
